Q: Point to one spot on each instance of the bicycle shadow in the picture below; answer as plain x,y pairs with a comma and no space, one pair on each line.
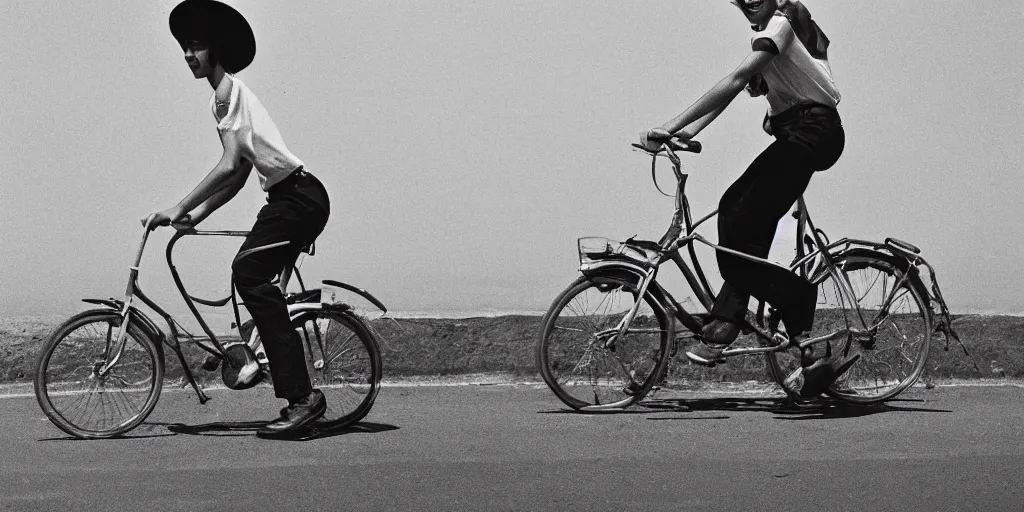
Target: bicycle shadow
150,430
249,428
134,435
783,408
632,410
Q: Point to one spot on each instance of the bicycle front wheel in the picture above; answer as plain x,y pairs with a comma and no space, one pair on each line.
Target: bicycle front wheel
582,358
84,401
891,333
344,362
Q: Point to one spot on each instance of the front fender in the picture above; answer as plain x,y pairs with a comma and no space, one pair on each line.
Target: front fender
634,274
147,324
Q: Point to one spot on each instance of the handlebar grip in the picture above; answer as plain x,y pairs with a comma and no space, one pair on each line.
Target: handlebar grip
690,145
656,135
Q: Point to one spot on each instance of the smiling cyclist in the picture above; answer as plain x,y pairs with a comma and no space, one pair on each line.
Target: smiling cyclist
788,64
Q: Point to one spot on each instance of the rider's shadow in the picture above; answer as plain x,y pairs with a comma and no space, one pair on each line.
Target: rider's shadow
783,408
249,428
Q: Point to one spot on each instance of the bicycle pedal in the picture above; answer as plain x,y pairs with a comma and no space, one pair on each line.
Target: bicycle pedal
705,363
211,363
633,389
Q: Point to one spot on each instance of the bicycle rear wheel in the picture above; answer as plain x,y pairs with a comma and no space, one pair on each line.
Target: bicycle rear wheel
80,401
895,321
579,357
344,362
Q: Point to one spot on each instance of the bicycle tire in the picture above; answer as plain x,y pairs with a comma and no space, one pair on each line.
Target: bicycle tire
351,371
631,367
876,377
73,395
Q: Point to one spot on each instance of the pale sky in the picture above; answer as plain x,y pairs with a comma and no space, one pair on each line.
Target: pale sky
467,145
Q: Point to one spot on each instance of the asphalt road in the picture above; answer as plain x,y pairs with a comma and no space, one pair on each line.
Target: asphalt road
516,448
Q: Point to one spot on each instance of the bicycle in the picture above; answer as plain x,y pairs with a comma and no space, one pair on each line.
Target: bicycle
606,340
100,373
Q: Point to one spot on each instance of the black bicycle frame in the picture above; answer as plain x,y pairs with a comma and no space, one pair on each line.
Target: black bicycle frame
808,237
176,330
675,238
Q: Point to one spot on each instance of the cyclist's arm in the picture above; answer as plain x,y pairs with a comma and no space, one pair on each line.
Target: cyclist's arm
232,167
219,198
722,93
691,130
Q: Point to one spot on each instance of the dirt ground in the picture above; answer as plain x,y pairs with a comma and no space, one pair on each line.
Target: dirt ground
506,344
20,338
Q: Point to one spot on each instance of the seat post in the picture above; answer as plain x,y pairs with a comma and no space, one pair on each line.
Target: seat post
286,275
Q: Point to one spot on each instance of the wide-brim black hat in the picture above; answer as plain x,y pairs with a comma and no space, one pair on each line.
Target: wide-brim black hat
218,25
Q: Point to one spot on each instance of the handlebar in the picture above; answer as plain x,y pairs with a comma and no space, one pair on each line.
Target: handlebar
134,268
668,149
142,245
673,144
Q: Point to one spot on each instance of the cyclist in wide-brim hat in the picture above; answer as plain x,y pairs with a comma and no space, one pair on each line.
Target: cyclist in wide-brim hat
218,42
221,26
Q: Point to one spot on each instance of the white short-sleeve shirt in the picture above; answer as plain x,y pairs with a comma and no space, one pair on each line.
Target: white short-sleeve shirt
256,134
794,76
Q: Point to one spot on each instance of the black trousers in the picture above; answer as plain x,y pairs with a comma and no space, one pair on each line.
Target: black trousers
808,139
296,211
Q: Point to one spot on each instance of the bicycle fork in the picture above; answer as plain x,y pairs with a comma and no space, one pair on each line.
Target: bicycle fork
119,341
126,310
628,319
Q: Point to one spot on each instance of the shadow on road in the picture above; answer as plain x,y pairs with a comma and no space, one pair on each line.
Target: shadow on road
783,408
635,410
136,434
233,428
248,428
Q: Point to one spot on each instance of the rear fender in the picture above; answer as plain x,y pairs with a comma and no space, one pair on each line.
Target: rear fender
358,291
899,262
303,309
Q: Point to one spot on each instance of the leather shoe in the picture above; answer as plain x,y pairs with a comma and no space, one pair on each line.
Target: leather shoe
720,332
706,354
297,415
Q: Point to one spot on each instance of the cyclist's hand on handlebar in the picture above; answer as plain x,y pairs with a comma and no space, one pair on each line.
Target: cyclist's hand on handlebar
185,223
163,218
652,139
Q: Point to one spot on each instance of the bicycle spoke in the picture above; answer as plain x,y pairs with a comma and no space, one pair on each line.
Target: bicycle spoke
80,401
562,328
349,375
583,356
344,349
893,328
